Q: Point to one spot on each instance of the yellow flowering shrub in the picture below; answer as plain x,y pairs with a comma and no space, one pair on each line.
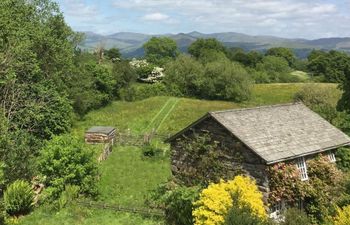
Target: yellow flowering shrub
343,216
216,200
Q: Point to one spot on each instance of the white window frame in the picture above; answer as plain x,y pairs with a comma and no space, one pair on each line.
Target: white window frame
301,166
277,209
331,156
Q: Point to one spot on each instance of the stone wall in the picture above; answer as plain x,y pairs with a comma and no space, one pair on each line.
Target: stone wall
93,138
250,164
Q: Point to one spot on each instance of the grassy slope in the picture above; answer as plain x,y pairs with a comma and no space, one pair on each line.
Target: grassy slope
126,177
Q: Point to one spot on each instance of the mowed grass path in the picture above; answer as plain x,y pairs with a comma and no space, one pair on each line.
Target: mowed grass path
127,177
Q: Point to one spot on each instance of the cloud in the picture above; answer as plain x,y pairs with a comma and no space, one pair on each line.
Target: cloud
155,17
276,17
77,8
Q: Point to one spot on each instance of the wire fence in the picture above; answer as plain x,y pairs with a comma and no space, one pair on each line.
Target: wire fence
128,139
118,208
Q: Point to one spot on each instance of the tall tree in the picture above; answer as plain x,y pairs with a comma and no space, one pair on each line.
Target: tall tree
197,48
285,53
36,55
159,50
344,102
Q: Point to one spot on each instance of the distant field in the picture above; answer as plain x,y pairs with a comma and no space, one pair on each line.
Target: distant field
126,177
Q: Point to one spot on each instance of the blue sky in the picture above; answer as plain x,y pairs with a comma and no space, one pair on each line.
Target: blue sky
283,18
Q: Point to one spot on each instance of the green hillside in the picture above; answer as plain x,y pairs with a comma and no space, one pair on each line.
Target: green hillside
127,177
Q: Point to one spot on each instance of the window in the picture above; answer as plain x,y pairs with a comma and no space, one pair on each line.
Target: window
301,165
331,157
277,209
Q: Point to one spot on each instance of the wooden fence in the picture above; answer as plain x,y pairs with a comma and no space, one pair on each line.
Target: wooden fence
143,211
128,139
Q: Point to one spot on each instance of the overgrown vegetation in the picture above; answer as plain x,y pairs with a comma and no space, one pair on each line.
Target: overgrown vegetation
49,86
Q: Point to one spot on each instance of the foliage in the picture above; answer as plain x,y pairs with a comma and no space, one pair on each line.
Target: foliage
138,92
285,53
323,101
343,159
284,182
64,161
176,200
70,193
225,80
18,198
344,102
203,160
17,151
95,90
319,192
182,76
249,59
343,216
333,65
113,54
242,216
196,48
159,50
216,80
216,200
277,69
295,216
141,67
152,151
123,74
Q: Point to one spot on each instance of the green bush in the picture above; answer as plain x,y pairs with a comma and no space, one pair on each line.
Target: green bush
294,216
18,198
242,216
149,150
343,159
178,205
63,161
70,193
176,201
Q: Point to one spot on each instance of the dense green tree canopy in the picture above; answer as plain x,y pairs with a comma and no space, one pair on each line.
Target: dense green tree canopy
196,48
159,50
275,67
285,53
331,65
113,53
64,160
182,75
344,102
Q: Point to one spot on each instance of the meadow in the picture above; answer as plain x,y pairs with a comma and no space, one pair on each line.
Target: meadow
126,177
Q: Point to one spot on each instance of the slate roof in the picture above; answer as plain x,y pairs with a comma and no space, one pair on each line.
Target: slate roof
101,130
281,132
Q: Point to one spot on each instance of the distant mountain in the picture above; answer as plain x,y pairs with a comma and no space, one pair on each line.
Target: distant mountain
130,43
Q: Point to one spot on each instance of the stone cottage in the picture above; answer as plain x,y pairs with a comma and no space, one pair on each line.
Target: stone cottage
263,136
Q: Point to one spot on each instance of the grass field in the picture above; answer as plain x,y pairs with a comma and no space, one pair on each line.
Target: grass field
127,177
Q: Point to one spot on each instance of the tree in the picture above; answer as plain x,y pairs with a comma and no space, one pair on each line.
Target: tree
64,160
159,50
113,53
344,102
225,80
277,68
332,65
285,53
250,59
197,47
182,74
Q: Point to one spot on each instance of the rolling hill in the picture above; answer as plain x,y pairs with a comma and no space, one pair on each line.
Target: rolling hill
130,43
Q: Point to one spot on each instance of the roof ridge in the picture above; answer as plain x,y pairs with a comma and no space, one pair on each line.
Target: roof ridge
257,107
